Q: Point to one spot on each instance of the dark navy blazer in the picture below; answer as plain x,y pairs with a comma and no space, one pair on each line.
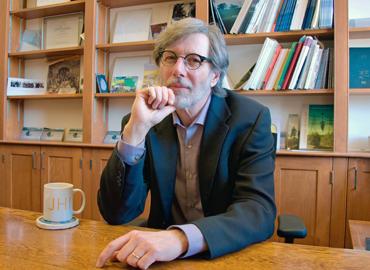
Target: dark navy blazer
236,166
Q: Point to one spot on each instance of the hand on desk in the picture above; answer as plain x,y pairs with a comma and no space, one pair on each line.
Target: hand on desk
141,249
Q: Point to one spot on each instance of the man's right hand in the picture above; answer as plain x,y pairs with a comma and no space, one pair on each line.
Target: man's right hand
150,107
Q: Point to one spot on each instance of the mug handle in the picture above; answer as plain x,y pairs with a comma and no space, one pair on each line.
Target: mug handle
83,200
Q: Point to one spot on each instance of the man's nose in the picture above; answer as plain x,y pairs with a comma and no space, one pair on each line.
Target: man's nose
179,68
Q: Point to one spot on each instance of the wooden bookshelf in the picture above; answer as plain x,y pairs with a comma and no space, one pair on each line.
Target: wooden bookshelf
309,92
359,91
51,10
128,3
70,51
241,39
47,96
146,45
115,95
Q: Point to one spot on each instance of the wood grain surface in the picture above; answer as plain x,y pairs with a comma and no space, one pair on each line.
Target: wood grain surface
24,246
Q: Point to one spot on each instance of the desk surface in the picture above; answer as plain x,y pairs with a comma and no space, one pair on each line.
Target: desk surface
359,231
24,246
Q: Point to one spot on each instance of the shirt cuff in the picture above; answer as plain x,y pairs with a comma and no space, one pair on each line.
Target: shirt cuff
196,241
130,154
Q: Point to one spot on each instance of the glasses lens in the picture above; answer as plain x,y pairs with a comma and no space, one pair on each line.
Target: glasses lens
193,61
169,58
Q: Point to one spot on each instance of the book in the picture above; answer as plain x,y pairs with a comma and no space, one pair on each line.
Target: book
228,10
63,31
20,87
31,133
101,84
52,134
74,135
64,76
30,40
244,78
276,70
359,67
132,25
183,10
112,137
151,75
121,84
40,3
235,29
156,29
292,138
317,127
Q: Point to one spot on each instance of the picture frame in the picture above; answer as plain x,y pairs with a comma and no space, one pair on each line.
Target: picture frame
101,84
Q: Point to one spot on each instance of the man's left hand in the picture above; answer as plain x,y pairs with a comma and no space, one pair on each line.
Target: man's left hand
141,249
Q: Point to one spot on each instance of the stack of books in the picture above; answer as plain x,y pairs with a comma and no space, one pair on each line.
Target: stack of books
253,16
305,65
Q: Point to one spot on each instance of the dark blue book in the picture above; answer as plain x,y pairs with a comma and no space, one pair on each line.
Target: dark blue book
280,16
248,17
359,67
228,11
309,14
289,15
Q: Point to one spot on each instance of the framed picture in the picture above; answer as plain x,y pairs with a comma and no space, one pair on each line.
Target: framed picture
101,84
64,76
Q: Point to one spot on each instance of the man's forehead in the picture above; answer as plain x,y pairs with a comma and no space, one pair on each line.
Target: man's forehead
193,43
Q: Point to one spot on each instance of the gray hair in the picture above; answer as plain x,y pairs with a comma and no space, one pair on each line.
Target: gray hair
217,47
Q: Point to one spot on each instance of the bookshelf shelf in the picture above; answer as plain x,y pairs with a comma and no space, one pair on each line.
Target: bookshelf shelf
359,91
146,45
242,39
127,3
51,10
359,29
115,95
47,96
286,92
48,53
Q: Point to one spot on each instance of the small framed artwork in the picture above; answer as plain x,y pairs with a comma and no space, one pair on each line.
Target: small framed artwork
101,84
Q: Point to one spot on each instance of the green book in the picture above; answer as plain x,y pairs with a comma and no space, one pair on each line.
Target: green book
320,127
245,78
286,66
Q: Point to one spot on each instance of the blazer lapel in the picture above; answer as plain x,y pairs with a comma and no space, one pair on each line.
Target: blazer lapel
214,133
165,149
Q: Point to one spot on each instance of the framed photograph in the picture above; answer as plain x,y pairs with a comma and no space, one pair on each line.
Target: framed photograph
63,31
74,135
21,87
124,84
31,133
101,84
156,29
112,137
64,76
183,10
52,134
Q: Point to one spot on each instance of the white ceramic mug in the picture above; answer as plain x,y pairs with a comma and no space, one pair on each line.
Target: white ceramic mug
58,202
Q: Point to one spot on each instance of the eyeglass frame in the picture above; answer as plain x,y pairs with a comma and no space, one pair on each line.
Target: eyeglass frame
202,59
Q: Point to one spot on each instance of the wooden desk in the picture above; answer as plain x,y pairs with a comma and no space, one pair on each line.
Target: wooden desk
359,230
24,246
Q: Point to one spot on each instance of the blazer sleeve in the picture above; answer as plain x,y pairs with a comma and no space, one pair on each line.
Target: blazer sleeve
123,189
251,214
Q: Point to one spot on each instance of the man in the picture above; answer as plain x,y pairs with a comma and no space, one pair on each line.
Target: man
205,153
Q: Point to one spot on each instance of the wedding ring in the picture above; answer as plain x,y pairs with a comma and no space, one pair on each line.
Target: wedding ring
135,255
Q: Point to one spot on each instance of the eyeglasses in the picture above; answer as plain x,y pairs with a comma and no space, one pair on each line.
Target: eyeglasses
192,61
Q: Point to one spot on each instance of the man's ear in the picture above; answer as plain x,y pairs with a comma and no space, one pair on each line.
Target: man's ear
215,78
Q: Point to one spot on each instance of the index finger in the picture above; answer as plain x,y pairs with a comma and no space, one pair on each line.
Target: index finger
110,250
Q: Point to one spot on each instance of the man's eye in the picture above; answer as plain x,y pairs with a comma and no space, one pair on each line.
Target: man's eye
193,60
170,58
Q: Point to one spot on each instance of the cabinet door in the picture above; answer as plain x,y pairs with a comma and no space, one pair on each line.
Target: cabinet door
303,188
358,192
23,185
94,163
62,164
4,183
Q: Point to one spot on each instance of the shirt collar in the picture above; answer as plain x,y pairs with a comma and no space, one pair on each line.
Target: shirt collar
201,118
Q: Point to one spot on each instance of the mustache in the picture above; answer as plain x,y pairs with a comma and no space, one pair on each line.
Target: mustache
184,82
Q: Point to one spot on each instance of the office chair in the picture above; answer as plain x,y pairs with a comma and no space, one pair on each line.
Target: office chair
289,226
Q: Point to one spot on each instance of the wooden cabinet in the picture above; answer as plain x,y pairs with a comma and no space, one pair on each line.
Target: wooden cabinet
358,192
303,188
28,168
23,181
4,183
